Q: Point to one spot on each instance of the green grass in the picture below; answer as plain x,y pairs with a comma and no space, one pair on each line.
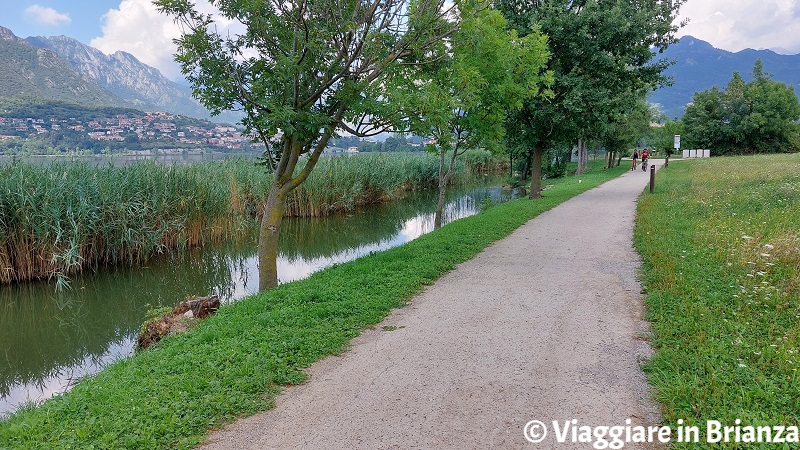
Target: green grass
234,363
721,246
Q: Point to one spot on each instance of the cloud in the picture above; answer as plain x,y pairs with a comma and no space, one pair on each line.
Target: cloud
46,16
138,28
734,26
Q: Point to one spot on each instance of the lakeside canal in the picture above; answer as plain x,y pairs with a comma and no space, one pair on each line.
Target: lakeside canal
51,339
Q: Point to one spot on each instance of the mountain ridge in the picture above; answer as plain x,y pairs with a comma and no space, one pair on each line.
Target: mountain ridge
125,76
33,74
62,69
699,66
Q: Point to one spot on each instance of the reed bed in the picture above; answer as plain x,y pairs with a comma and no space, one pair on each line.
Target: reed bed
345,183
61,219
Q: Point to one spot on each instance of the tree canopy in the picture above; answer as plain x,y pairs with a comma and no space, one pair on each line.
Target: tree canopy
462,101
756,117
601,57
303,71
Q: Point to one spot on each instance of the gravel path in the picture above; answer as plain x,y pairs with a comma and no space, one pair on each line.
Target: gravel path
546,324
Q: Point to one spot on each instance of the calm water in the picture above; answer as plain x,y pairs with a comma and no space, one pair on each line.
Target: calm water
49,340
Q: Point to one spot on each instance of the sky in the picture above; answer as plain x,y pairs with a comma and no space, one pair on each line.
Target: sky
136,27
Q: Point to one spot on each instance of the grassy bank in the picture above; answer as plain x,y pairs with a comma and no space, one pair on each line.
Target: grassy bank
61,219
721,242
234,363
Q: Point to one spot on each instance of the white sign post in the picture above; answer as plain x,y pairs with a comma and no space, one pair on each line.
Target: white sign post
677,142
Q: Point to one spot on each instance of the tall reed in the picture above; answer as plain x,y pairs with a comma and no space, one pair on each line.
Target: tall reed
61,219
347,182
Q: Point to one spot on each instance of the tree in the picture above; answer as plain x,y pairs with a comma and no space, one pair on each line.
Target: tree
601,54
623,130
462,102
661,136
302,71
755,117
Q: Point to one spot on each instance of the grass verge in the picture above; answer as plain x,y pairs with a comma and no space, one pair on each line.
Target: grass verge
721,245
234,363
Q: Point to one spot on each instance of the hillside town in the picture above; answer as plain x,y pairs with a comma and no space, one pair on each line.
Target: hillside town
161,129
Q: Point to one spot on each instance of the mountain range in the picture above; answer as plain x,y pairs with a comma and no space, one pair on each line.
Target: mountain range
60,68
699,66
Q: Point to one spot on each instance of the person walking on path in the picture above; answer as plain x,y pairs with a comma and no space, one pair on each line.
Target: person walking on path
635,157
545,325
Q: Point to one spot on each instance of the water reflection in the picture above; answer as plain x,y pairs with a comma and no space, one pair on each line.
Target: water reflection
50,339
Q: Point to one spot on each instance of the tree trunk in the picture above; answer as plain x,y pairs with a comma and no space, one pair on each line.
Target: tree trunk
585,156
536,171
268,238
526,169
666,160
437,218
444,180
581,159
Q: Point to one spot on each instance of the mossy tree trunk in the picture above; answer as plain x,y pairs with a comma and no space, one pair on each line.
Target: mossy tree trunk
268,238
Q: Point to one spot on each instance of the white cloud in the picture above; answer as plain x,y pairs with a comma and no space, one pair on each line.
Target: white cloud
138,28
734,26
46,16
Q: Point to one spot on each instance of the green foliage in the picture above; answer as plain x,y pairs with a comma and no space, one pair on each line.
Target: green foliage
601,64
60,219
232,364
626,128
756,117
721,253
556,162
481,161
311,72
463,100
661,137
314,68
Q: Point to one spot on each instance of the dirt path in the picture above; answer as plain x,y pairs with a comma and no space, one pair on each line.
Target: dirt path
546,324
